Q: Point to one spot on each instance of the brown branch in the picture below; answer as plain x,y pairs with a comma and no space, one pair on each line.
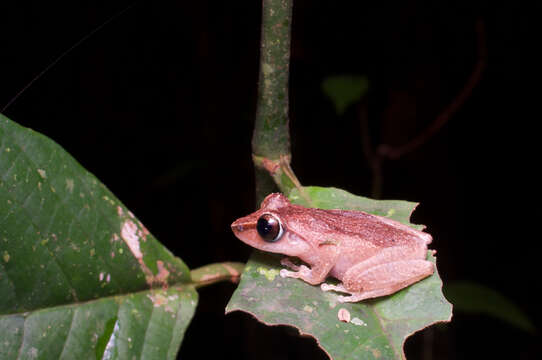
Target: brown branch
375,161
218,272
387,151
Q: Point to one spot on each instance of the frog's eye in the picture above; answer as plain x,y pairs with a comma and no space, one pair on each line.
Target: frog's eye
269,228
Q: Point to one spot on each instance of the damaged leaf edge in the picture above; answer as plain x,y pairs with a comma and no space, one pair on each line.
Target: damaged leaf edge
401,352
301,332
439,321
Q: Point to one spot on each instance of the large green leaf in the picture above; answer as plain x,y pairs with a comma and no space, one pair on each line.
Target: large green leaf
377,328
79,274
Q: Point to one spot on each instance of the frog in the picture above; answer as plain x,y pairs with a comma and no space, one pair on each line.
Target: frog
371,256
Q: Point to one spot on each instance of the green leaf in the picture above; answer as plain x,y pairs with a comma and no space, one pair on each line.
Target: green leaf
475,298
377,327
345,90
149,324
77,269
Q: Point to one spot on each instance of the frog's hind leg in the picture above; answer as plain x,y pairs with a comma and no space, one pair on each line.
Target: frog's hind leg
384,279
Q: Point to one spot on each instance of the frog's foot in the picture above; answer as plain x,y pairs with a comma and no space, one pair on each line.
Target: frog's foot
355,297
343,299
304,273
340,288
288,263
301,273
329,287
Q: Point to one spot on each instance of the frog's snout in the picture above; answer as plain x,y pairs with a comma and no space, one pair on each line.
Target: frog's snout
237,228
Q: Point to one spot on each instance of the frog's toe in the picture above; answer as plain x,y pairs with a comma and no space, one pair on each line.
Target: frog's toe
286,273
329,287
343,299
325,287
288,263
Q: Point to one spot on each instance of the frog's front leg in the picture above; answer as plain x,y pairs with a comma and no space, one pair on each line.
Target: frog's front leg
316,274
289,263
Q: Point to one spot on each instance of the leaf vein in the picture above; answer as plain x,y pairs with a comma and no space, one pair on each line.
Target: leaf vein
147,331
69,332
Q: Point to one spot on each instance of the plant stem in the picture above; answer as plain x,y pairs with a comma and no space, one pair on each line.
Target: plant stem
271,138
214,273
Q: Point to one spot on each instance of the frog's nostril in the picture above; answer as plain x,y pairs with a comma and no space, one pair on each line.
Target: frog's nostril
238,228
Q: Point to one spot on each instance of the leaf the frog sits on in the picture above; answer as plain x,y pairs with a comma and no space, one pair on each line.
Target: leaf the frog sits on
371,255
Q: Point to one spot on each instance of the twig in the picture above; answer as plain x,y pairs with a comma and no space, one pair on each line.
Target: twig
375,161
218,272
63,55
390,152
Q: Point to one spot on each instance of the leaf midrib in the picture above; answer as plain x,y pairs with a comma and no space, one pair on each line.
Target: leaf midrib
179,286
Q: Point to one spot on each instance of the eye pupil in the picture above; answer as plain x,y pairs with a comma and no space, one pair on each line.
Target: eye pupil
269,228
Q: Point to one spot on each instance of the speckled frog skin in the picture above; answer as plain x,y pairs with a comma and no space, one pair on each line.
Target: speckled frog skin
371,255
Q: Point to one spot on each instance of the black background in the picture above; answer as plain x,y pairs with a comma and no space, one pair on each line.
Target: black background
159,105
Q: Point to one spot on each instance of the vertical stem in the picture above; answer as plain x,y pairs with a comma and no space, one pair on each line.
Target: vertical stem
271,138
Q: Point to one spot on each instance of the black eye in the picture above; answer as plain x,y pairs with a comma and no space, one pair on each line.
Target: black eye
269,228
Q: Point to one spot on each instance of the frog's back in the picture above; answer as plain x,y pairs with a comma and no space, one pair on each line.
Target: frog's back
322,225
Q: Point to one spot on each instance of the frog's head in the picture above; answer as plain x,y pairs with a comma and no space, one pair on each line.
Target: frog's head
267,230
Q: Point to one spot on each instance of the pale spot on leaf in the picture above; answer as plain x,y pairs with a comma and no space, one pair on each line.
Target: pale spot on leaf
69,185
163,273
129,234
269,274
358,322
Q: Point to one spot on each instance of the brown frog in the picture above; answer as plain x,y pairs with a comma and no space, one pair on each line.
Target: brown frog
371,255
